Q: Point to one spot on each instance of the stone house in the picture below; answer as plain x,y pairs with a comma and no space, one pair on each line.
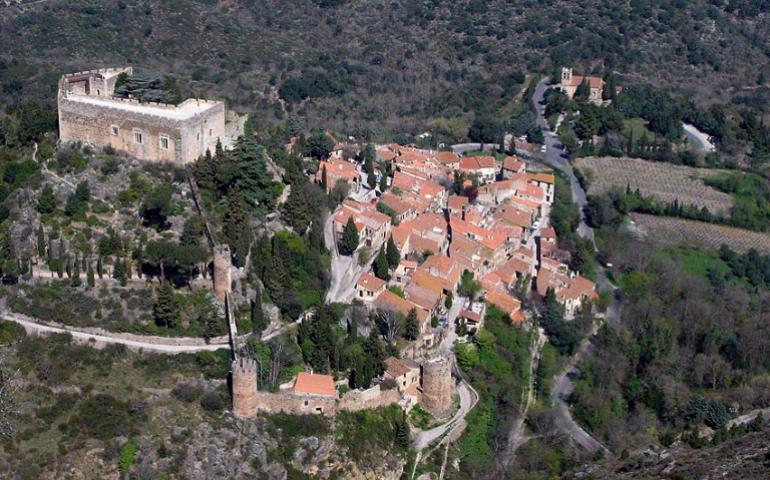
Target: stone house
369,287
570,83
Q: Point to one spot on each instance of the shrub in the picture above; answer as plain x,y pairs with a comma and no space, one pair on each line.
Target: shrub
212,401
187,391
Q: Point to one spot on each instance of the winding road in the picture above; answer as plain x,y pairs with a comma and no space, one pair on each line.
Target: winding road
556,157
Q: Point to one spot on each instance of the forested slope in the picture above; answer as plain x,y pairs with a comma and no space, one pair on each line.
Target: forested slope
392,65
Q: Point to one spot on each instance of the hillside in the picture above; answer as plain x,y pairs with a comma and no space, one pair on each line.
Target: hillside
384,65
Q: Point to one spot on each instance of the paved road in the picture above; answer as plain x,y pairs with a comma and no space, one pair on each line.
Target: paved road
468,399
699,139
133,342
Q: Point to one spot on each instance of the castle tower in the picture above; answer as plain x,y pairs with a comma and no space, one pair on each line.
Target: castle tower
244,374
437,387
222,277
566,75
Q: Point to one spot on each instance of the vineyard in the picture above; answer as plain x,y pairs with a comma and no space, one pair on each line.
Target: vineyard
663,181
676,231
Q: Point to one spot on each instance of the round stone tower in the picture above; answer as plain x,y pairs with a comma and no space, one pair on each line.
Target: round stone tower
437,387
244,372
222,264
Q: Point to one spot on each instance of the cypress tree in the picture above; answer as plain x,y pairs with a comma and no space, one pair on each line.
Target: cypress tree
296,210
258,321
90,276
236,230
100,267
75,280
383,182
40,241
68,267
381,265
392,253
350,239
371,179
324,181
401,431
47,201
119,271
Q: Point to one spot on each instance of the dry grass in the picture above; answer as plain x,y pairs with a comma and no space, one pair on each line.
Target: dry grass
677,231
664,181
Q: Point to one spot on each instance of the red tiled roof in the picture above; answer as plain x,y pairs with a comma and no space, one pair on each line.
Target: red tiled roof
370,282
476,163
314,384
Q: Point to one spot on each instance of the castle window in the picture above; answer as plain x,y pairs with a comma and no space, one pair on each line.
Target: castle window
138,138
164,142
211,132
198,137
114,131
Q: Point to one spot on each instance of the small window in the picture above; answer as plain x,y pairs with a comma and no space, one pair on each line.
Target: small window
163,142
319,410
306,403
98,92
198,137
211,132
114,131
138,138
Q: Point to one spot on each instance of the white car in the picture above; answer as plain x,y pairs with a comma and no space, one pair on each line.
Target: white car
543,149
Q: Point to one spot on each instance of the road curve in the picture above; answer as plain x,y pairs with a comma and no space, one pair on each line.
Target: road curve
133,342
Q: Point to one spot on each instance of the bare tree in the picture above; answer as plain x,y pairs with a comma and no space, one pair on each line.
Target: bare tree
389,324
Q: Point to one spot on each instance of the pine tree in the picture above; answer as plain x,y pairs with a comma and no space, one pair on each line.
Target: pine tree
411,326
237,230
165,311
9,262
46,203
375,354
119,270
275,278
90,276
381,265
205,171
401,431
392,253
40,241
350,239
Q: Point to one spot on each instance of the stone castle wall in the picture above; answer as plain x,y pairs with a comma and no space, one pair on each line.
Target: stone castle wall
222,271
104,125
298,404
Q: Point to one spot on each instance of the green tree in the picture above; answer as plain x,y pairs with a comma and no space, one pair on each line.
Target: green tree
46,203
165,311
610,87
100,267
205,171
157,206
371,179
349,242
90,276
469,287
383,182
449,300
119,271
381,265
319,145
40,241
237,229
587,124
583,90
258,319
9,261
401,430
392,253
83,192
411,326
296,210
324,180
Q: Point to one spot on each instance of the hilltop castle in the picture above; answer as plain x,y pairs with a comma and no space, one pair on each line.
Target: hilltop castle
90,113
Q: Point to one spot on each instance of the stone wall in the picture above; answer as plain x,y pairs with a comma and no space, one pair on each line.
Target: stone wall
372,398
299,404
222,271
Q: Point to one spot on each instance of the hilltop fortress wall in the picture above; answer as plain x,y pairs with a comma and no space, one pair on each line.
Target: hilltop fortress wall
149,131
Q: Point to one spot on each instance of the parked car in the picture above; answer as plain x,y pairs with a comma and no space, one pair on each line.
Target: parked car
543,149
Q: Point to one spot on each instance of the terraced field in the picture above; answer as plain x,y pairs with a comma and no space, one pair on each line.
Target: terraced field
671,231
664,181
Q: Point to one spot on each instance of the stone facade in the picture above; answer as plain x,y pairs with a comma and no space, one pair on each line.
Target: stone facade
180,134
244,376
437,387
222,271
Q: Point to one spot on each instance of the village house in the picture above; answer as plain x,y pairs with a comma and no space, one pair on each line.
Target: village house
338,170
570,83
373,227
390,302
369,287
572,292
506,303
484,168
448,160
405,372
511,167
545,181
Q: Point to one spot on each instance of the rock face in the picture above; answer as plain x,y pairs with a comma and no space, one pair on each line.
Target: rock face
745,457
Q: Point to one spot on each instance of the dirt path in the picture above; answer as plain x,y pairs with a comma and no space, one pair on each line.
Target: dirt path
100,338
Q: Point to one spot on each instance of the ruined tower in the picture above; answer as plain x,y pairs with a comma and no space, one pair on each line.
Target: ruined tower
437,387
244,372
222,278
